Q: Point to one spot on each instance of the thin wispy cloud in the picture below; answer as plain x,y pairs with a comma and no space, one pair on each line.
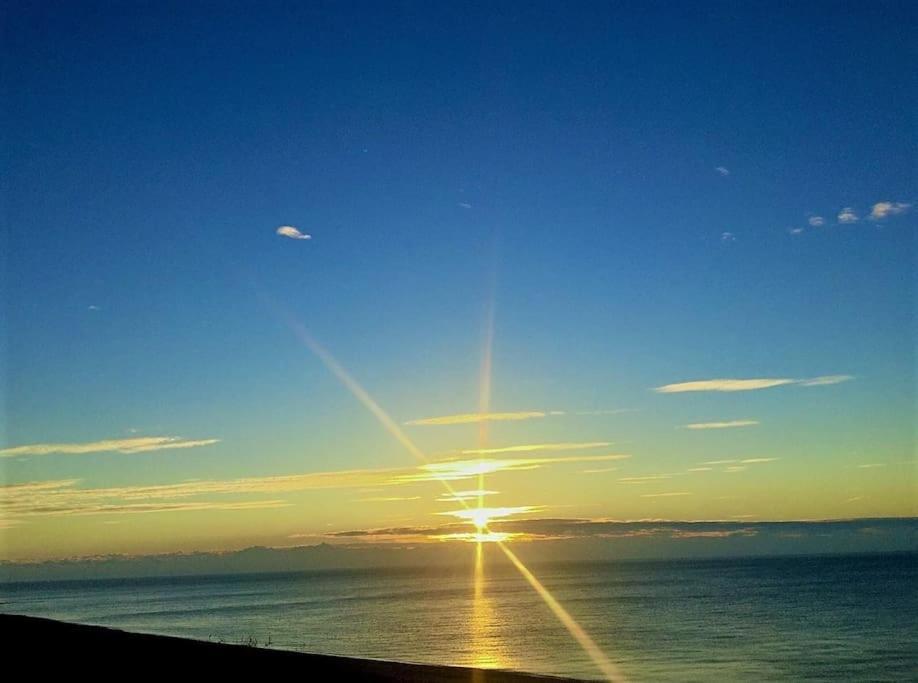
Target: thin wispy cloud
722,170
747,384
388,499
882,210
823,381
599,470
292,233
611,411
458,470
727,237
871,465
645,479
722,425
474,418
509,416
526,448
816,221
668,494
464,205
847,216
460,496
796,231
144,444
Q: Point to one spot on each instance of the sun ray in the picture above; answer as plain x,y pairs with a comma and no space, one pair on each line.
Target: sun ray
361,394
609,670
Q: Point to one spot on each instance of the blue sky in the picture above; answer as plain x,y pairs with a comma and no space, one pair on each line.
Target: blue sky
633,175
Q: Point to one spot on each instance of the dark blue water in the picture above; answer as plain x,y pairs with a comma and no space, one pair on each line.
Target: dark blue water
788,619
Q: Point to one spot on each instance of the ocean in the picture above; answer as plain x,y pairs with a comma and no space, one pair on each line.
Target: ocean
825,618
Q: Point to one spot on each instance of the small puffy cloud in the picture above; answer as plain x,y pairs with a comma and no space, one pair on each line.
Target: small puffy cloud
883,210
722,425
817,221
796,231
722,170
93,307
727,237
464,205
136,445
847,215
292,233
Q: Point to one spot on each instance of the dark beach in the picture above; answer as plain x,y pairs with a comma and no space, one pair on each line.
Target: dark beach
50,646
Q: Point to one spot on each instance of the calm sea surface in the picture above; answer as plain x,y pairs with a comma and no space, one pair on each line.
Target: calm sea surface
816,618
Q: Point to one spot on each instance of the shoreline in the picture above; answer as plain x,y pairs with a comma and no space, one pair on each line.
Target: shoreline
48,645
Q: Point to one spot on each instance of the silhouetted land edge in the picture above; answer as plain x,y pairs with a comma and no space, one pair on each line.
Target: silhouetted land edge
44,645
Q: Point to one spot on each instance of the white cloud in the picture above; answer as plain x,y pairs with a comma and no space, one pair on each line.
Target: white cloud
847,215
93,307
817,221
825,380
727,237
465,205
882,210
136,445
292,233
538,447
748,384
796,231
722,425
723,171
722,385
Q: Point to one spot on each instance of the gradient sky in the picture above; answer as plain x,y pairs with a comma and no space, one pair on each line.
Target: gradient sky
652,195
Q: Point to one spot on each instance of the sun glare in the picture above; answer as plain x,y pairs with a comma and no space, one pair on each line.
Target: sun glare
481,517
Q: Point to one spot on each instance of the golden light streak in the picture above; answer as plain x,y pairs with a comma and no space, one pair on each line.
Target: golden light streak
486,654
357,390
609,670
364,397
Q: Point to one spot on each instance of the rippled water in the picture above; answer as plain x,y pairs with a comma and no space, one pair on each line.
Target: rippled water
816,618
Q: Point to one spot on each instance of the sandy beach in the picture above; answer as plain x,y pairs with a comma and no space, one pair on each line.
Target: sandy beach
48,646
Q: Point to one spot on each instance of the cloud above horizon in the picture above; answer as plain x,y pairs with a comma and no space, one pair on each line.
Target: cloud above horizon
144,444
748,384
552,528
721,425
722,170
474,418
292,233
526,448
882,210
816,221
847,216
